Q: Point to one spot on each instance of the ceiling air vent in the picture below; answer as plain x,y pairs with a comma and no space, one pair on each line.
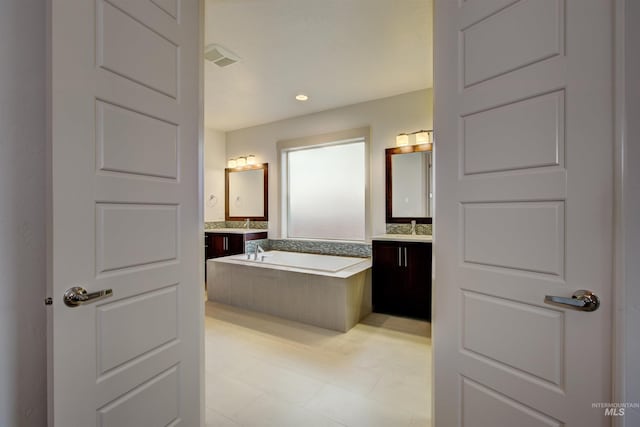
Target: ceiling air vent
219,55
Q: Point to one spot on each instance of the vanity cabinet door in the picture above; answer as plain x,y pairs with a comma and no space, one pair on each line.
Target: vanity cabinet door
235,244
417,285
218,244
386,276
208,246
402,278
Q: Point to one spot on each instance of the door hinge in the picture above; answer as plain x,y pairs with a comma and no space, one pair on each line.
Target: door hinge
48,301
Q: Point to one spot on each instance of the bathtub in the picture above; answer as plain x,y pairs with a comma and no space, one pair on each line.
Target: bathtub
331,292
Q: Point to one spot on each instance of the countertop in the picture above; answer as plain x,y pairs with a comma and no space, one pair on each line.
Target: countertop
236,230
405,237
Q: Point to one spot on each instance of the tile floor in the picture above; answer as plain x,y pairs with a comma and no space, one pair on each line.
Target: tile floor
266,371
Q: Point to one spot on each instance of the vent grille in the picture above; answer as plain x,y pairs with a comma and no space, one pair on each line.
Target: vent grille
219,55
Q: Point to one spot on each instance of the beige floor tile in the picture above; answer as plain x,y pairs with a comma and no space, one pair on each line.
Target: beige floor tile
214,419
269,411
262,370
227,396
352,409
280,382
403,392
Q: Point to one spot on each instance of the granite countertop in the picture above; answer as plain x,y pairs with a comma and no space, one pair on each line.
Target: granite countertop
236,230
405,237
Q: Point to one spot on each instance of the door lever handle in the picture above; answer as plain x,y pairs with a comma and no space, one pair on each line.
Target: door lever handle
78,295
581,300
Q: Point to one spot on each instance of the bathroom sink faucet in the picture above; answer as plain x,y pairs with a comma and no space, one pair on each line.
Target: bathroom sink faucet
257,251
246,223
413,226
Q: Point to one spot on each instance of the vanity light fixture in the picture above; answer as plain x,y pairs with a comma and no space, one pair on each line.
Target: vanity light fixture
402,140
242,162
422,137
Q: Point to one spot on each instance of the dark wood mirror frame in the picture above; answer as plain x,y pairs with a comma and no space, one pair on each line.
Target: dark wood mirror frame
390,219
265,169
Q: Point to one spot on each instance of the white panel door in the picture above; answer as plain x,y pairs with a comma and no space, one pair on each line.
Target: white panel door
524,184
124,213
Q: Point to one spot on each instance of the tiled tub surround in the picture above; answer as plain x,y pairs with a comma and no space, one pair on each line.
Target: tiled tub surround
361,250
307,290
312,246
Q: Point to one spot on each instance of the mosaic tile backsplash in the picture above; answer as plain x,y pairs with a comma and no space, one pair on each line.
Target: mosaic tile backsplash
212,225
250,245
406,229
361,250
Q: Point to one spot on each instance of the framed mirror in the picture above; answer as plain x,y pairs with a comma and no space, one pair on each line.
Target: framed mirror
246,193
409,186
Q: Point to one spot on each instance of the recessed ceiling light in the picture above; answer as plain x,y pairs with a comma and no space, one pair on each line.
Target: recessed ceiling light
301,97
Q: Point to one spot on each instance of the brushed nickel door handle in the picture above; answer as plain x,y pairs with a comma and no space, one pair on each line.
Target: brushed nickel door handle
581,300
78,295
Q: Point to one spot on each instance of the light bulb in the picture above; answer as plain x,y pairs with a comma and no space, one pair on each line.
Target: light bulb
232,163
402,140
241,162
251,159
422,137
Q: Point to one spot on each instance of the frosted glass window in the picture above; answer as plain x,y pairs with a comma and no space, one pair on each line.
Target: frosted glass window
326,192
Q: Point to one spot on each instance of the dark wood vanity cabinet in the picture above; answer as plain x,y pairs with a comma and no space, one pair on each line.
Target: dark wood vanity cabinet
225,244
401,281
219,244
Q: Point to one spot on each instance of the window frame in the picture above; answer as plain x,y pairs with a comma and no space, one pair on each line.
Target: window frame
328,139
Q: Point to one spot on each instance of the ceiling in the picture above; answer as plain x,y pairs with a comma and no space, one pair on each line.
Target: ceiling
338,52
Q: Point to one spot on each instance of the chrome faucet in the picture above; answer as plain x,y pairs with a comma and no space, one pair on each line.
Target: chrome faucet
246,223
413,226
257,251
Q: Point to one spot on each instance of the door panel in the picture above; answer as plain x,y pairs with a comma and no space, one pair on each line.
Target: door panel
524,209
486,334
115,52
130,142
538,227
539,28
125,213
524,134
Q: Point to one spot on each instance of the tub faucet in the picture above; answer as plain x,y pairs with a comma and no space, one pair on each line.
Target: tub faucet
257,251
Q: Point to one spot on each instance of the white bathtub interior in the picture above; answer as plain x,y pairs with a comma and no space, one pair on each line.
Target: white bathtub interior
326,263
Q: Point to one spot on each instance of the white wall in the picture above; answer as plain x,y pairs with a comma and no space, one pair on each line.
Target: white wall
387,117
214,164
22,233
